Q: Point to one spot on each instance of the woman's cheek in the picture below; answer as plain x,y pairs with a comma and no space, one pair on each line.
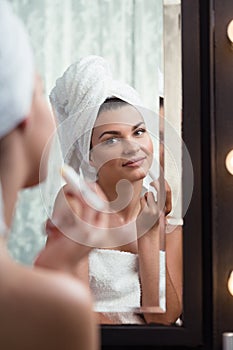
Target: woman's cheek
106,157
148,146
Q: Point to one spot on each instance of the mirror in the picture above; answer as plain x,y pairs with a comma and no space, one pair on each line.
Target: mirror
142,42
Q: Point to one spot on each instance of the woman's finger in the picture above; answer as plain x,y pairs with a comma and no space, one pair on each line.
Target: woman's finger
168,203
168,193
150,200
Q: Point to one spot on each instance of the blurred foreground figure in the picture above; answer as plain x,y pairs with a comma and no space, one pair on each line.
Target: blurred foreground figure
40,308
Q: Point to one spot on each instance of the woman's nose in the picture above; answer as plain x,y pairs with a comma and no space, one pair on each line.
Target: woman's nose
130,147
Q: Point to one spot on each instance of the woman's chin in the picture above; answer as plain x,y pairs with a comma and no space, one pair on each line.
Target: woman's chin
137,174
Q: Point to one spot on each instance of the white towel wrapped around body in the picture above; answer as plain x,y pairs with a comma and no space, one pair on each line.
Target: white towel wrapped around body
115,285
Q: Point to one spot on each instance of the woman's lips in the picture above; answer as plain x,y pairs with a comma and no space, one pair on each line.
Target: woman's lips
137,162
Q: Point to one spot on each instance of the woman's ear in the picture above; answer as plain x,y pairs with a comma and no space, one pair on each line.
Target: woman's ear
23,124
91,159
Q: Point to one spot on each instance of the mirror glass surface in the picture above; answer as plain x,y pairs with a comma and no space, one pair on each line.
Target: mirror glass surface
141,39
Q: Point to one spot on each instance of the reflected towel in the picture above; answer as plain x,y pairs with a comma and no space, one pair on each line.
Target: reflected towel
114,281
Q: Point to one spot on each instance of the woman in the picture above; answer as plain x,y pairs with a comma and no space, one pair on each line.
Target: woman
112,146
40,309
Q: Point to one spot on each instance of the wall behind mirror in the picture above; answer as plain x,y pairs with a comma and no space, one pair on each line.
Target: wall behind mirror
173,105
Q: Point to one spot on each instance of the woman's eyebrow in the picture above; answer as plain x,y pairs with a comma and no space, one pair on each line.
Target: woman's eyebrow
114,132
137,125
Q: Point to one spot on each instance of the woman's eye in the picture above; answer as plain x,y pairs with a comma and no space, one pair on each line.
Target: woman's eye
111,141
140,132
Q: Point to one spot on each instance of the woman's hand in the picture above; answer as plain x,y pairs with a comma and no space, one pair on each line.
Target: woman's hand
168,201
75,228
148,217
165,194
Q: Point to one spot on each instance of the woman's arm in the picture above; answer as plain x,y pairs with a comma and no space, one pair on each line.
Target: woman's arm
149,251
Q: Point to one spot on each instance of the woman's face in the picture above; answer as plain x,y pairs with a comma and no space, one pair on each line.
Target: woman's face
121,146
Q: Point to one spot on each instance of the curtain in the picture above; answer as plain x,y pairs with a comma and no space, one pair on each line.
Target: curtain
128,33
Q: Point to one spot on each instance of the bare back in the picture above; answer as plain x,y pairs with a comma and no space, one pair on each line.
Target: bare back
41,309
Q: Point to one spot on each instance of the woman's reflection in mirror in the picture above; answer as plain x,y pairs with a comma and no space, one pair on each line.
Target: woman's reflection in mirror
113,147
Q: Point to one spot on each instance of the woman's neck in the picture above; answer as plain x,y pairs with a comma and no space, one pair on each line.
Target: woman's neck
9,197
12,174
124,198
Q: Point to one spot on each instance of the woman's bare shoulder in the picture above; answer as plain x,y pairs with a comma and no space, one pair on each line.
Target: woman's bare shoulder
46,309
56,288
